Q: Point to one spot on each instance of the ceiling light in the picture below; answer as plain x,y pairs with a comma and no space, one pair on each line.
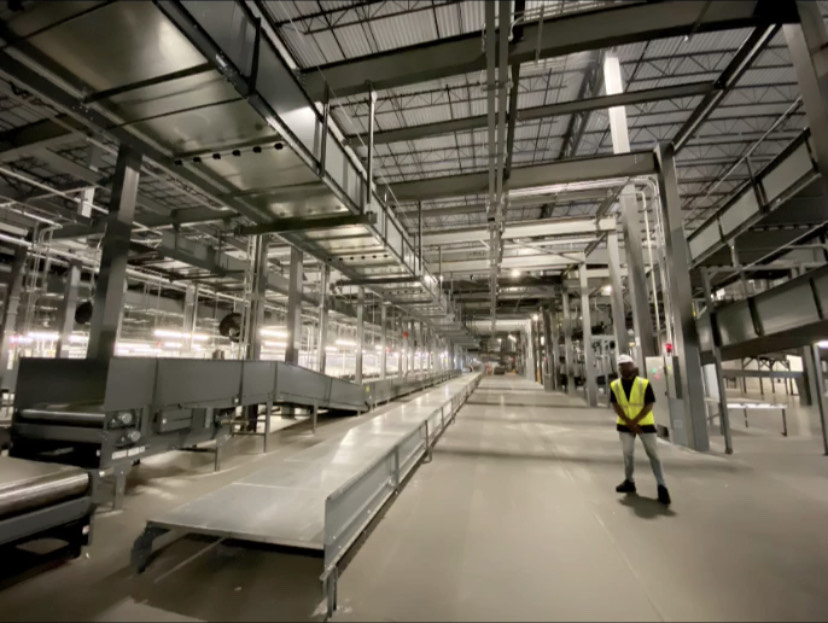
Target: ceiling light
273,332
515,272
535,317
345,343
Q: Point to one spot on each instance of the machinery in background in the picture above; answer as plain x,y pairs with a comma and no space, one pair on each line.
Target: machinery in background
664,375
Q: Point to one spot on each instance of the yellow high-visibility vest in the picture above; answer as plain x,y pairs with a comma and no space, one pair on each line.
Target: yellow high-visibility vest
632,406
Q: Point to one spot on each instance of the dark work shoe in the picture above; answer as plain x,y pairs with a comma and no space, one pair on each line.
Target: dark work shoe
663,495
626,487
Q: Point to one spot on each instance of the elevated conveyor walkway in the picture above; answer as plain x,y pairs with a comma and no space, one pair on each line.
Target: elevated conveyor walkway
322,498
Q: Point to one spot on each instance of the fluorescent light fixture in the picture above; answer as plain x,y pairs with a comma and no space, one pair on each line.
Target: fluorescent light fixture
345,343
172,344
181,335
606,290
20,339
512,337
823,343
554,189
273,332
167,333
515,272
275,344
78,339
332,349
535,317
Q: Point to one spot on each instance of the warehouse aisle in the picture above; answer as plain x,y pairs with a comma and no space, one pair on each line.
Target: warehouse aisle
517,519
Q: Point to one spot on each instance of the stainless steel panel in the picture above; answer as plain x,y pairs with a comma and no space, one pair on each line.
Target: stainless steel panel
204,89
230,29
742,209
206,129
735,324
270,168
54,381
788,306
26,485
40,15
787,172
258,380
118,44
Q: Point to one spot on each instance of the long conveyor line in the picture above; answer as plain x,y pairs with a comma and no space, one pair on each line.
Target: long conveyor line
322,498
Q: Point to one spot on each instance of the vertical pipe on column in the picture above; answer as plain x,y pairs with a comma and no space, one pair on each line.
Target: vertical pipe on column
619,314
360,334
369,186
590,386
384,341
294,306
323,317
111,284
257,307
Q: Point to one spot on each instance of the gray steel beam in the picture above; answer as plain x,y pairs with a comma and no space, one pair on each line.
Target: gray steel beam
109,291
360,323
686,335
631,224
558,36
814,357
548,379
750,49
622,165
20,142
619,314
323,316
10,306
294,306
807,43
590,385
556,350
629,98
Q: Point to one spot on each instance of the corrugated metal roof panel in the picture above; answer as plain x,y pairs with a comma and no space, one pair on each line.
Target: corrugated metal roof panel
354,41
474,16
449,20
403,30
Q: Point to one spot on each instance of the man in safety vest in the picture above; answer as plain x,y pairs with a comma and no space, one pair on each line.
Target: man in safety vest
632,399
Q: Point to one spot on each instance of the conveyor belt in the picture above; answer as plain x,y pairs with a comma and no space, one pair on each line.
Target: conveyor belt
284,504
28,485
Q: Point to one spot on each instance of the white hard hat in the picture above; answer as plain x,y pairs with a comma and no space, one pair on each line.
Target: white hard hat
625,359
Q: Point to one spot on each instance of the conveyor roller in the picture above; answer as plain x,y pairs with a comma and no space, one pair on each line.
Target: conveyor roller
69,415
28,485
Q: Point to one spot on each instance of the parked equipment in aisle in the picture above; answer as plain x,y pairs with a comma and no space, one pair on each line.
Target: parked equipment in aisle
39,500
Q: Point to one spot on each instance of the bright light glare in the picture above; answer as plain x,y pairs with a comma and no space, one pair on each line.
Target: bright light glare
535,317
45,336
515,272
275,344
180,335
173,344
332,349
78,339
273,332
345,343
823,343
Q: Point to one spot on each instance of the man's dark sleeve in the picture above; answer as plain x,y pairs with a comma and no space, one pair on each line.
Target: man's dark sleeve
649,396
613,399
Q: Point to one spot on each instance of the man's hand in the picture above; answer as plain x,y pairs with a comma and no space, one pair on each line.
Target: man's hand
635,429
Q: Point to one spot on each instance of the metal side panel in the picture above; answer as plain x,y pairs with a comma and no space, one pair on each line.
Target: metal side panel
43,381
258,381
821,287
15,529
197,382
130,383
735,323
705,334
297,385
791,169
788,306
740,211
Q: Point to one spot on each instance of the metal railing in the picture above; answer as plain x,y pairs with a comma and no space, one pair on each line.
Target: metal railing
352,507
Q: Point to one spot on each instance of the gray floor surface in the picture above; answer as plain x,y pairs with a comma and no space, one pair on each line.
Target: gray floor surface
514,519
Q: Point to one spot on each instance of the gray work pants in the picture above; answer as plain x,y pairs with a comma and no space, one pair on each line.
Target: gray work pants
628,447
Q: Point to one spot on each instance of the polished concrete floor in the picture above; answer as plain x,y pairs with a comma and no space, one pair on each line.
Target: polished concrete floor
516,518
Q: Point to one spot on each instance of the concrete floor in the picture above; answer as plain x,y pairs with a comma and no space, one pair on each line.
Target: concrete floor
514,519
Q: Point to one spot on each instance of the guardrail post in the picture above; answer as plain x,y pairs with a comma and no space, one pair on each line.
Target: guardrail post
314,417
428,443
397,469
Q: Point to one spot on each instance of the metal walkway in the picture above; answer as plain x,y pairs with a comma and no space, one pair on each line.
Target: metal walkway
322,498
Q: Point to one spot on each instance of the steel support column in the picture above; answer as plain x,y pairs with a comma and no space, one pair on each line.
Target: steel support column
111,284
813,353
11,305
548,379
619,314
323,317
411,346
686,335
556,351
384,341
631,222
567,314
724,415
360,319
257,304
294,306
68,306
590,385
808,46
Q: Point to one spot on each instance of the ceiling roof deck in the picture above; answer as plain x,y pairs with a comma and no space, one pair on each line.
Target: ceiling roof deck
328,32
200,131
